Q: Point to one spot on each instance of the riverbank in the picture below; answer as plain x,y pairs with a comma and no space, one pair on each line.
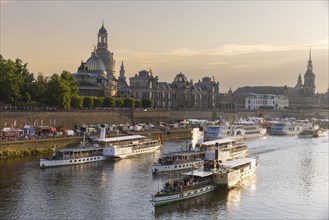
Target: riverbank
121,116
35,147
45,146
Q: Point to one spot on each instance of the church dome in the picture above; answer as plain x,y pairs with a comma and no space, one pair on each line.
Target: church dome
180,77
94,63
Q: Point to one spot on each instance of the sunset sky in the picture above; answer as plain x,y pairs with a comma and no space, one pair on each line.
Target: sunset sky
240,43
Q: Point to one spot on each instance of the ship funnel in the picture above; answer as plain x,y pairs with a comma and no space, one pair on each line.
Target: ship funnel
102,133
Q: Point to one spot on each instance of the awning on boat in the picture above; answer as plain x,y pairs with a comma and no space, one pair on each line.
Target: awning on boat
199,173
238,162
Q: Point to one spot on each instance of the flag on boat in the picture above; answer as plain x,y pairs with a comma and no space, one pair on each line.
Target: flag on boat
160,139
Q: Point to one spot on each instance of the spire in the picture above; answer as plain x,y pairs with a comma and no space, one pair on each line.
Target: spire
102,23
310,55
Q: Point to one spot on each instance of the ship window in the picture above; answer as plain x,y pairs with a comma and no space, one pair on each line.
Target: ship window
183,165
75,160
88,159
195,192
83,160
188,193
79,160
175,166
98,157
70,161
180,166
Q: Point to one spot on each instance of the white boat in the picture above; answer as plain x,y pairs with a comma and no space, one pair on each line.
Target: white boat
70,156
126,146
312,133
229,173
223,149
228,149
195,183
178,161
289,128
101,149
239,130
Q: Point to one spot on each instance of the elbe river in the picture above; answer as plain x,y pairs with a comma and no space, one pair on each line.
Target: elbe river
291,182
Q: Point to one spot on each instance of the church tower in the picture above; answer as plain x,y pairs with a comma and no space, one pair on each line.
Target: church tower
122,77
309,79
299,84
103,52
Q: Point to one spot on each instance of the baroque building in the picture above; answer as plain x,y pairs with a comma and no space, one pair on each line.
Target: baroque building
303,94
180,94
96,76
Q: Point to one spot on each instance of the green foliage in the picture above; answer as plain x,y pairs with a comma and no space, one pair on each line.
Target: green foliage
146,103
28,78
77,102
214,115
88,102
61,89
138,103
109,102
98,101
10,81
119,102
39,88
128,102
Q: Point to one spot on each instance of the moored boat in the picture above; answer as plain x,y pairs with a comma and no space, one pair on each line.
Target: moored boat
70,156
238,130
101,149
312,133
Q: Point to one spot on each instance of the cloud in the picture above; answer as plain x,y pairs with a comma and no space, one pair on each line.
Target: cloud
3,2
226,50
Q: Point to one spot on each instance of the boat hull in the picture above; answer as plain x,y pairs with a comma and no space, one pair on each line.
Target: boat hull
54,163
125,152
161,200
157,168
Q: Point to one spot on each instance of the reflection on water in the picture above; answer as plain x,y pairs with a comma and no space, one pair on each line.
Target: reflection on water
291,182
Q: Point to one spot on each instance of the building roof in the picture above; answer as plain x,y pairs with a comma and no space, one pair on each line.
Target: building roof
94,63
277,90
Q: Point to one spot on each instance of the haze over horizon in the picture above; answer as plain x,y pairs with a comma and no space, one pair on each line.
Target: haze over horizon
240,43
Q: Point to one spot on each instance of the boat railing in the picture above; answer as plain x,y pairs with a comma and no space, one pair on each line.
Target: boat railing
178,161
171,189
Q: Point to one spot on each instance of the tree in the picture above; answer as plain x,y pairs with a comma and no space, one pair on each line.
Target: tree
10,81
109,102
58,92
119,103
146,103
70,82
77,102
26,89
128,102
138,103
98,101
88,102
39,88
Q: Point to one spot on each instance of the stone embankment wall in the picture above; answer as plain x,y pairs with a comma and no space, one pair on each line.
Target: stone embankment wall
70,118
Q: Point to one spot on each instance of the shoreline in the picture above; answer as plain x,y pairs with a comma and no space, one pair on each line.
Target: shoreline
11,149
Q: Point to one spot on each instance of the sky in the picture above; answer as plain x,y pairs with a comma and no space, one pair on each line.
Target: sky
240,43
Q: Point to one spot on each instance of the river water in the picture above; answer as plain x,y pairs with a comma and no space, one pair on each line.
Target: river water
291,182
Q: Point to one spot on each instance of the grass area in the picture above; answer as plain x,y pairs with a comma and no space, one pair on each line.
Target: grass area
24,152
